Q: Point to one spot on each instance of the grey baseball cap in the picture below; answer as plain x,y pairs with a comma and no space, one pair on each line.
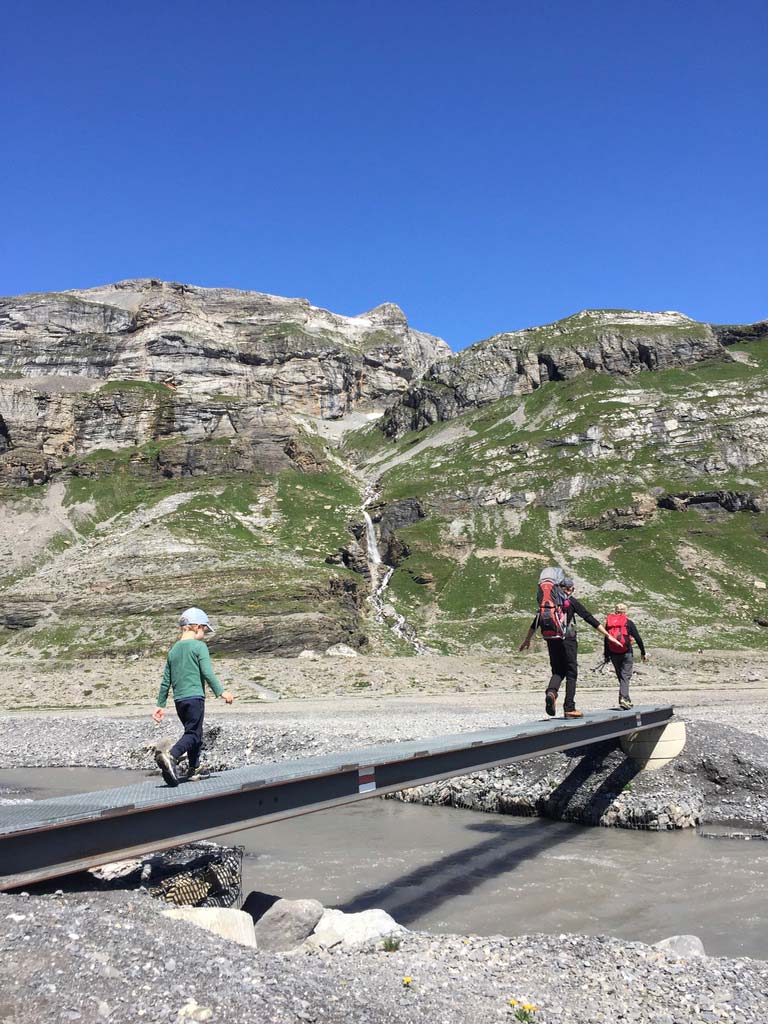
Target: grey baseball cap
567,582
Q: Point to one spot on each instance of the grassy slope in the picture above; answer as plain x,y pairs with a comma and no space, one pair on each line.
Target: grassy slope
259,548
688,578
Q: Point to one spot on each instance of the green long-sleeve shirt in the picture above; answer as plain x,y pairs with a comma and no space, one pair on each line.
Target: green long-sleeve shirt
187,668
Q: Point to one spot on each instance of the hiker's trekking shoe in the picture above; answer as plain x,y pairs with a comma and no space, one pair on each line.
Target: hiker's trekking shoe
167,766
573,714
550,700
196,774
625,703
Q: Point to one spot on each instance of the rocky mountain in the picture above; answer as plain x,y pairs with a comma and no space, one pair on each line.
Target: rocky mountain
163,445
263,348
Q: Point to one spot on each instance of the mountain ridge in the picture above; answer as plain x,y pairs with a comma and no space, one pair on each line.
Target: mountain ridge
174,448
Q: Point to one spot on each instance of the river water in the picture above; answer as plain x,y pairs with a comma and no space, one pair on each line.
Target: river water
447,870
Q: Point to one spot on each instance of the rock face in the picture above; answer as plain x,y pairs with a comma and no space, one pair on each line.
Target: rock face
263,348
611,341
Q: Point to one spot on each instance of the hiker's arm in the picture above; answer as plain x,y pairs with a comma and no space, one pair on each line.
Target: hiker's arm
206,671
582,612
529,635
162,696
632,630
606,652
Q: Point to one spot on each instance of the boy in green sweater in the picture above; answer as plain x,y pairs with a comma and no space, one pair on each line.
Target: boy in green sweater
187,669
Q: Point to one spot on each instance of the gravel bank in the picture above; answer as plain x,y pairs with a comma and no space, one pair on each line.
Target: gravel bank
721,775
116,959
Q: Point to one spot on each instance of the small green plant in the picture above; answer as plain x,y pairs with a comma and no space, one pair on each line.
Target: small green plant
391,944
629,788
360,684
525,1012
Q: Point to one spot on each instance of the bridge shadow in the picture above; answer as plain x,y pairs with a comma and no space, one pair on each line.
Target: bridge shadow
507,847
413,894
575,795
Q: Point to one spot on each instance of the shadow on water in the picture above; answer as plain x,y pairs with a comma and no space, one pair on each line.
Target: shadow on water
458,874
424,889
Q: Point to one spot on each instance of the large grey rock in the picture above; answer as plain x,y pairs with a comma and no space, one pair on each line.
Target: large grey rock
341,651
682,945
337,928
287,924
235,925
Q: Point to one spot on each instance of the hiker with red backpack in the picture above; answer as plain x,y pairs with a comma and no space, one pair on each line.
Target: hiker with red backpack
623,631
556,619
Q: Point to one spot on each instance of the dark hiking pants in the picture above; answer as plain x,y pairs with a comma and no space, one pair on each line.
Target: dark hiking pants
563,655
191,713
624,665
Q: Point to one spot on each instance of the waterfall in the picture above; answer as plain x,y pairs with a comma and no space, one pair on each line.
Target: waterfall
399,625
372,544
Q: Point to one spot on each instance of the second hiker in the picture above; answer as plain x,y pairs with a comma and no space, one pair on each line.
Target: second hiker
624,631
558,609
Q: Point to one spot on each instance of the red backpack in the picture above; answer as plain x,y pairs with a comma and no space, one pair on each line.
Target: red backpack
553,616
617,627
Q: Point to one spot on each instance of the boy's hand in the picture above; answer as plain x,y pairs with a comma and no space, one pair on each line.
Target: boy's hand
524,646
227,697
158,713
645,657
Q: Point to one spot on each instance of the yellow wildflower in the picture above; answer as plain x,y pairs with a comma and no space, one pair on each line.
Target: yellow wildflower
407,980
513,1002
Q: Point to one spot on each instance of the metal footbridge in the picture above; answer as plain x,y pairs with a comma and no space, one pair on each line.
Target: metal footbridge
47,838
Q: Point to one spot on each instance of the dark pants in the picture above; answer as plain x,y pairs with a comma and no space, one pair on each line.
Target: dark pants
191,713
624,665
563,655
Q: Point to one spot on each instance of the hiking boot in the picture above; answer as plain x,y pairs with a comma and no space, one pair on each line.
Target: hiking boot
167,766
550,700
573,714
625,703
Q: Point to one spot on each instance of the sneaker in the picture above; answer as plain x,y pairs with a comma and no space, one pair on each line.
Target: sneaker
197,774
573,714
625,703
167,766
550,700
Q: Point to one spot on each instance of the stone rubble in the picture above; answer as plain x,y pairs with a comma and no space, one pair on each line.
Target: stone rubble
116,958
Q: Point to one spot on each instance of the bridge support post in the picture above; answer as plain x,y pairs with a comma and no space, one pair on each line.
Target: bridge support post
653,748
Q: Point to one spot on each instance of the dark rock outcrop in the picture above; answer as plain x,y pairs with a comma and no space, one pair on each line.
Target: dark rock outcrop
728,501
738,334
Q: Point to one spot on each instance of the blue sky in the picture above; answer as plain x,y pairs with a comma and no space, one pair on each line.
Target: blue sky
487,166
